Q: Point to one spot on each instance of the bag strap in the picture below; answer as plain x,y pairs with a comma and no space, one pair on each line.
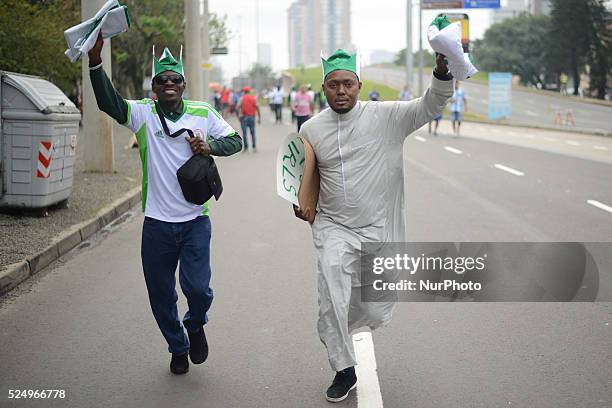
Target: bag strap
162,119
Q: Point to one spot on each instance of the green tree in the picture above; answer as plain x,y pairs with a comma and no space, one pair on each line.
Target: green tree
428,58
32,40
519,45
599,57
572,33
153,23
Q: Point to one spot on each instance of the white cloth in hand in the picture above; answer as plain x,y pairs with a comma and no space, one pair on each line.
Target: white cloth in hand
111,20
448,42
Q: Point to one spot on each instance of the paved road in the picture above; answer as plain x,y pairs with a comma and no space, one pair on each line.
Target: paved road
85,326
527,107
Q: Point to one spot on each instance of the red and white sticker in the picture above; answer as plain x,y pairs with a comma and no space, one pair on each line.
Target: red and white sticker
45,153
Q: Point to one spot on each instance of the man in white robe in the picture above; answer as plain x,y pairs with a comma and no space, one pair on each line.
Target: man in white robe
358,150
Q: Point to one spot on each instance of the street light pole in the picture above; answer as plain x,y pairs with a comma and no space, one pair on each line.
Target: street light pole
97,133
205,53
420,47
409,63
193,47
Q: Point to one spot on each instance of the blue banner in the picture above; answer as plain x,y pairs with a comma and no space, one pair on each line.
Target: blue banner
500,95
481,4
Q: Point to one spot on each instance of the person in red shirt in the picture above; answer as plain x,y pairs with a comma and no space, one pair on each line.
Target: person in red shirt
225,101
247,107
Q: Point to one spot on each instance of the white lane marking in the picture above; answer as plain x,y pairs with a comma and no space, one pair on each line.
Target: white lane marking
420,139
550,139
600,147
495,130
530,101
453,150
599,205
572,143
368,387
530,113
508,169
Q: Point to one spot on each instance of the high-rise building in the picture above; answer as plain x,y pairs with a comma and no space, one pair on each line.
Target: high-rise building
315,25
539,6
509,9
264,52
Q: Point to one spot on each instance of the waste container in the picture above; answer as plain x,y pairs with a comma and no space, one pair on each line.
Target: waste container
38,135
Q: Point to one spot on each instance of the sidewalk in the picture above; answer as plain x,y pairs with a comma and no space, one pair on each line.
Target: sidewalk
26,235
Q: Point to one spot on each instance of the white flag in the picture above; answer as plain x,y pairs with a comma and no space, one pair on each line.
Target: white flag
112,19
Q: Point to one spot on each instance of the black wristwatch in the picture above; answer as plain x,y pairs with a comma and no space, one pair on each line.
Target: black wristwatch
443,77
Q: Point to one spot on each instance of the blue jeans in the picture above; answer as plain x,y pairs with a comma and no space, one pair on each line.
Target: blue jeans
248,122
164,245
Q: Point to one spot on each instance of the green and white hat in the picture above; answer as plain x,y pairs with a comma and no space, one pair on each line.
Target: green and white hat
167,62
341,60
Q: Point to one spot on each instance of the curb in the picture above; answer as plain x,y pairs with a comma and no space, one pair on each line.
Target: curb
11,277
542,127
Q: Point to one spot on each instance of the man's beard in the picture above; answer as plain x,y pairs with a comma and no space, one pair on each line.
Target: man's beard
341,111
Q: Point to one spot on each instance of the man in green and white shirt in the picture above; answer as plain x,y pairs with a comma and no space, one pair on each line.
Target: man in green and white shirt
174,229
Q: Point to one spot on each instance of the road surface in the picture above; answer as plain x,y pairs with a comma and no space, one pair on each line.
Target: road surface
85,326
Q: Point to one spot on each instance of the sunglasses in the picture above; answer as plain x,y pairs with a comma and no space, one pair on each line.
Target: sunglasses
162,79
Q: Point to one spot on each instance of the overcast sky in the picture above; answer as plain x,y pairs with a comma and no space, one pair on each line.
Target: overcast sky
374,25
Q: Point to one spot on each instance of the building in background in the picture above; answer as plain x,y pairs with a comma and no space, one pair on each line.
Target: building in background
539,6
264,51
381,56
315,25
510,9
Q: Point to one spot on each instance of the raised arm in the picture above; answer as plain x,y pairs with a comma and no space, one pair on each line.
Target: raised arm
107,97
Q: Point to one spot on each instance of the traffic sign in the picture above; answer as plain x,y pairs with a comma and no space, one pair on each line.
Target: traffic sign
219,51
450,4
500,95
481,4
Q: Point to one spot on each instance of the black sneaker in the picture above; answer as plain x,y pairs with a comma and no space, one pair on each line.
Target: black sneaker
179,364
198,346
344,382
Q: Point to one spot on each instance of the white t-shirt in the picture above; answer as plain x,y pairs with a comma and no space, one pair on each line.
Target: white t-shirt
161,156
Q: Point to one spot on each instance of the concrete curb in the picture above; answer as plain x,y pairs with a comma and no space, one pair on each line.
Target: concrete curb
542,127
14,274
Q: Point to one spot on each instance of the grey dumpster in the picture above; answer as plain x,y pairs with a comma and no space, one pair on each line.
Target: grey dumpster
38,135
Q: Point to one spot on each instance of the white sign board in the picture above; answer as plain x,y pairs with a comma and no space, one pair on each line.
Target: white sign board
290,167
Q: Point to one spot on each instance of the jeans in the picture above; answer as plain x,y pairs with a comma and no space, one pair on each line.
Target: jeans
248,122
164,245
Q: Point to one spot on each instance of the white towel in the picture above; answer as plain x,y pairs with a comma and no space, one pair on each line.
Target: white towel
112,19
448,42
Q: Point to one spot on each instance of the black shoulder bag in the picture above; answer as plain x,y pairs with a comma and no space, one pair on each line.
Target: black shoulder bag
199,177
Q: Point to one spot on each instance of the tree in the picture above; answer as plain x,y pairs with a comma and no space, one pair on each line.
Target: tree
32,40
154,23
519,45
572,32
599,57
428,58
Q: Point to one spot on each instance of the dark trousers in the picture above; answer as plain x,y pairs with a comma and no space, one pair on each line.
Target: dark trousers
301,120
164,245
246,123
278,112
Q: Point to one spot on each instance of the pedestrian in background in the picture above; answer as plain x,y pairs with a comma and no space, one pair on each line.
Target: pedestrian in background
247,108
277,97
303,106
405,94
374,95
457,107
436,122
290,103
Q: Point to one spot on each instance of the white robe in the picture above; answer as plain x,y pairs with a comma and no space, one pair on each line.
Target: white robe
360,161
